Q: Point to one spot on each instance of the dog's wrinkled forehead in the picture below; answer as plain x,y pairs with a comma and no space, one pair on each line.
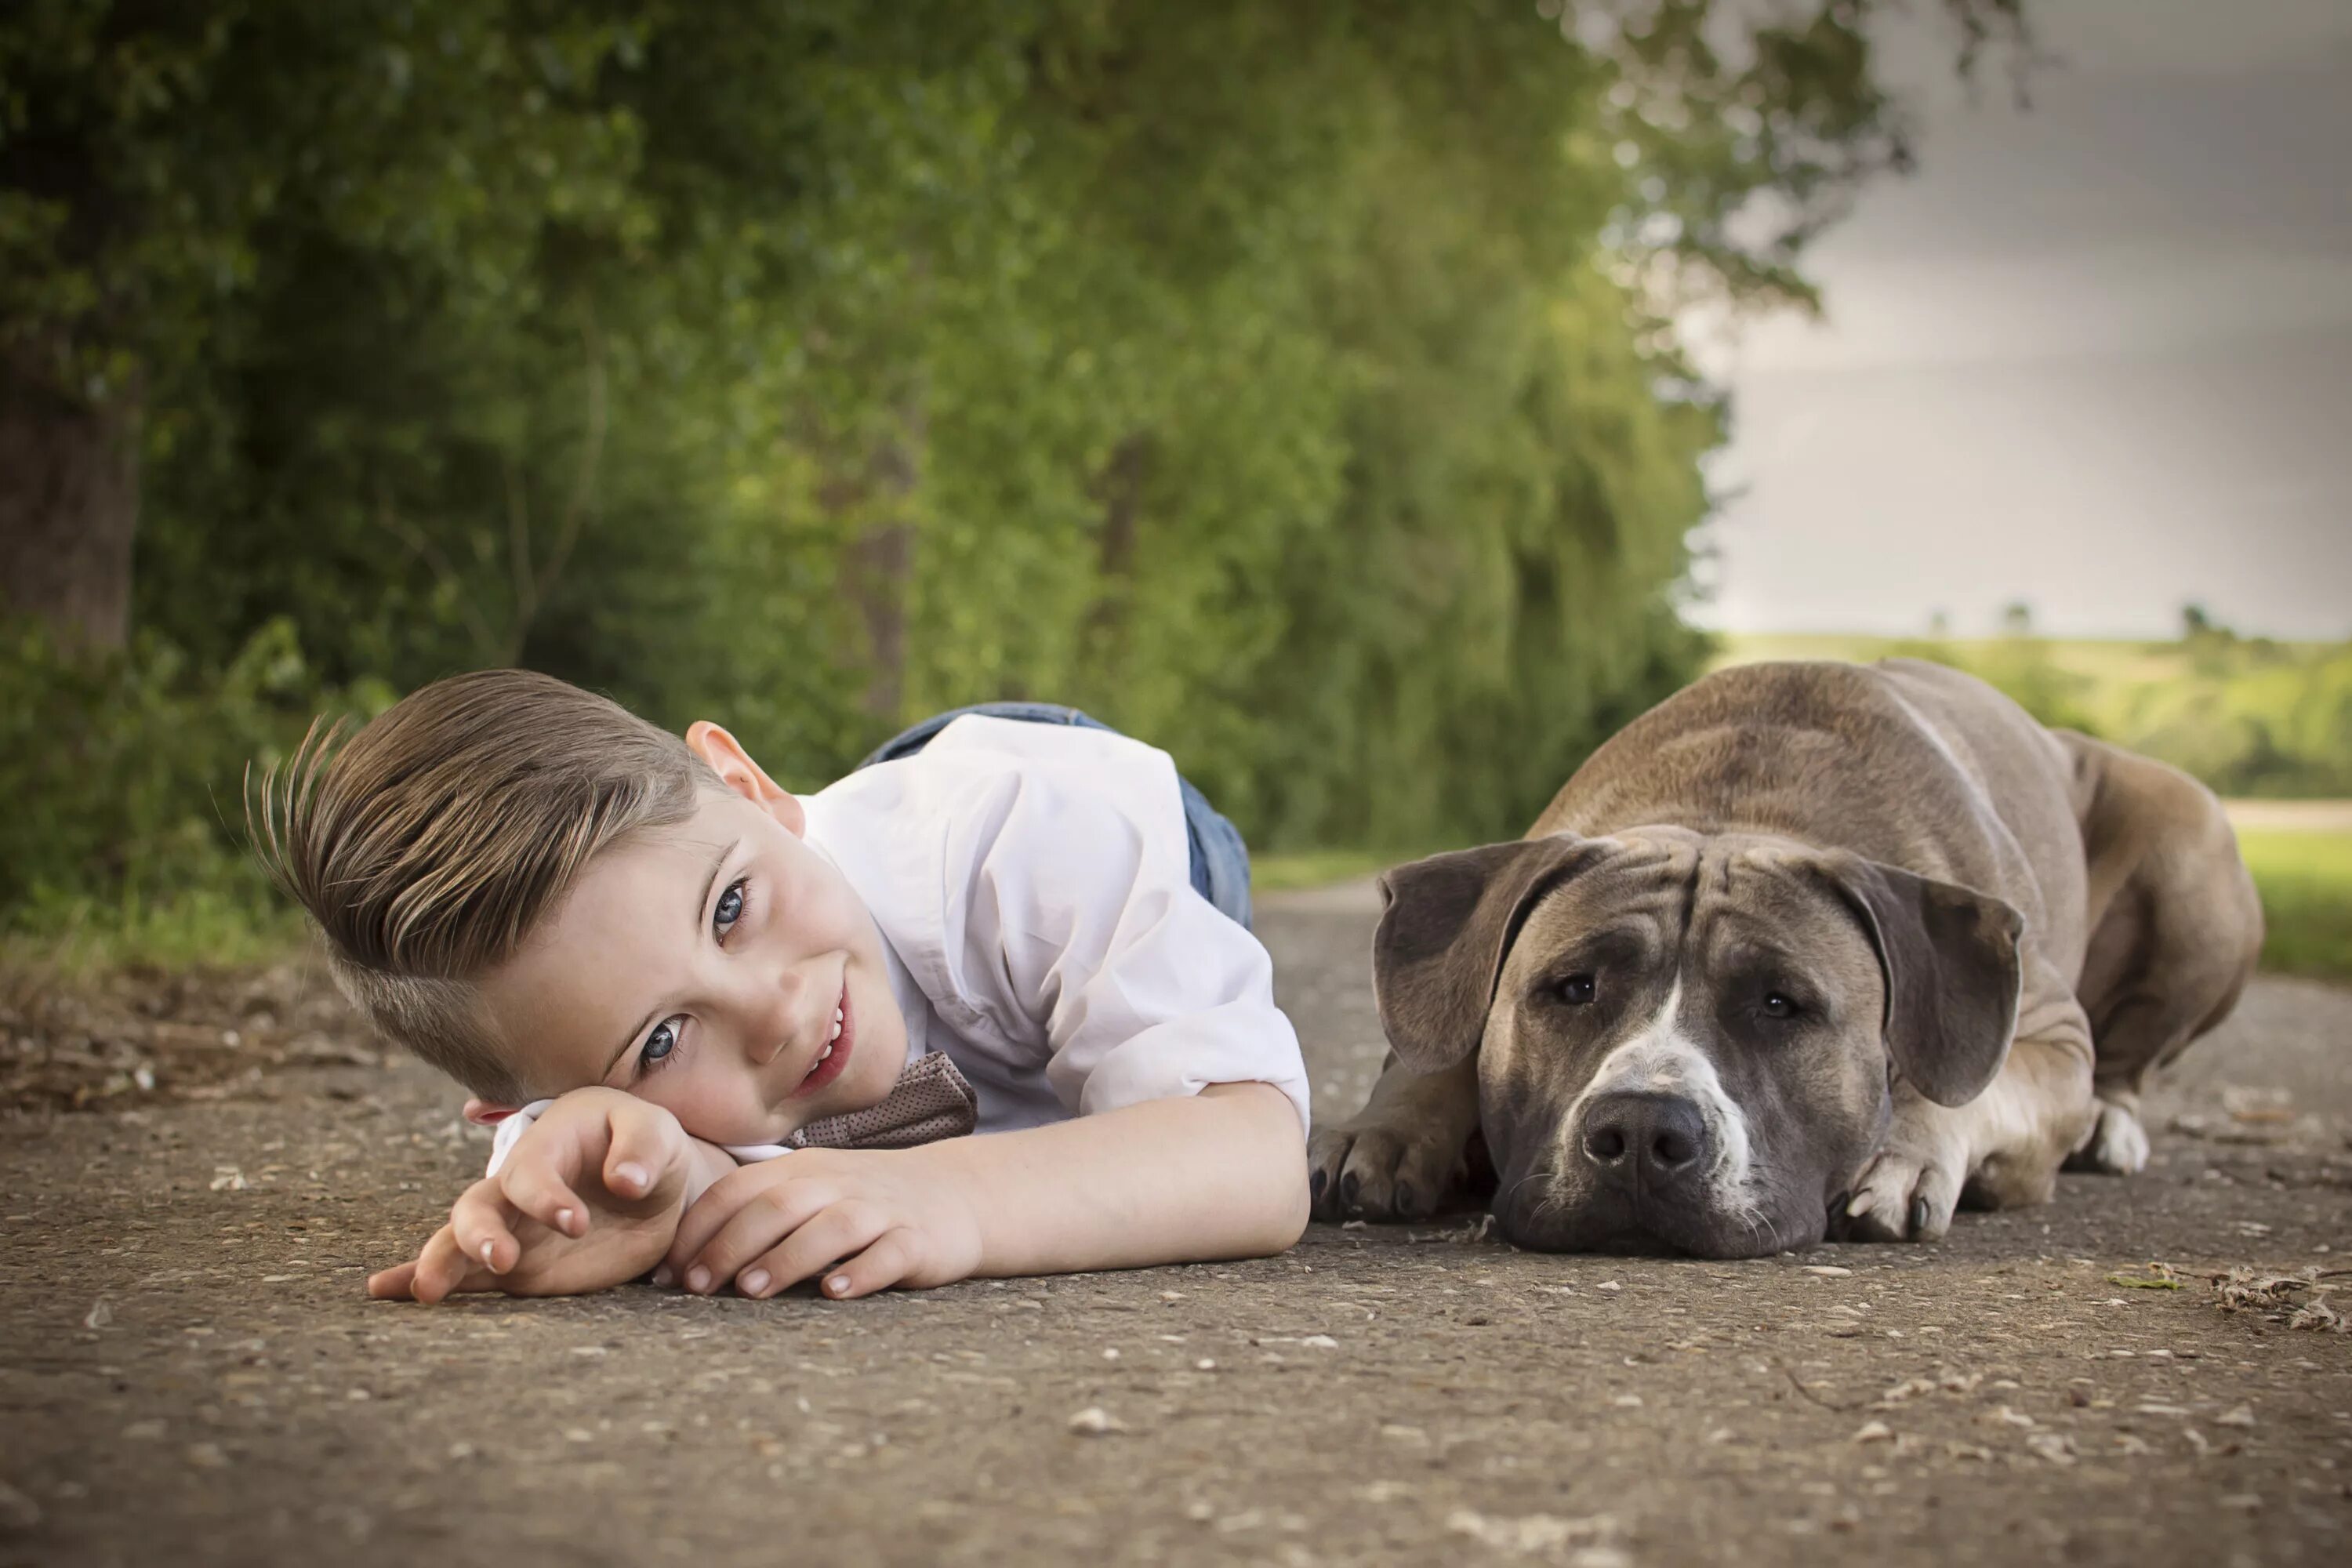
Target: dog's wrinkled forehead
1693,910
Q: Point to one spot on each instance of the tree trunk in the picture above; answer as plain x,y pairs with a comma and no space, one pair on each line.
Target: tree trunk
1119,490
879,567
69,507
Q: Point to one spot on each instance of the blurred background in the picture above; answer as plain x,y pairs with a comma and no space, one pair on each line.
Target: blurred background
1375,403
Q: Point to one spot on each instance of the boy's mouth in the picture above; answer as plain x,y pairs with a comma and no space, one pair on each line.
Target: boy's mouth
833,1055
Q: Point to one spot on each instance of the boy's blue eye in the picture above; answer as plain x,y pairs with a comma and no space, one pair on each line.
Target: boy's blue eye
731,908
660,1043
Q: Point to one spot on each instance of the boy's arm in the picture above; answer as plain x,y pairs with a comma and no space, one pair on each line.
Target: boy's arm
1218,1175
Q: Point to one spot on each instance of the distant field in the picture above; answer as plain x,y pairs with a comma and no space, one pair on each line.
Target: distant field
2306,879
2108,661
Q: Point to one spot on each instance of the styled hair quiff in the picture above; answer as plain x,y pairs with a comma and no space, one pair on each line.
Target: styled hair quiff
428,845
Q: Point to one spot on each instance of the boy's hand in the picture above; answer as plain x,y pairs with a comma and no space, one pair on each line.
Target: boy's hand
589,1196
897,1216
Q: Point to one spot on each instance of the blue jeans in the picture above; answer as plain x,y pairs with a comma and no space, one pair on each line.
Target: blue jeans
1220,861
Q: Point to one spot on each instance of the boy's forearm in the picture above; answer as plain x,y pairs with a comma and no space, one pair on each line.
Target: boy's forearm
1219,1175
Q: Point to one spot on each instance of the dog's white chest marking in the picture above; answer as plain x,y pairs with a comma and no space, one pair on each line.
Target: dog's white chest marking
1661,1060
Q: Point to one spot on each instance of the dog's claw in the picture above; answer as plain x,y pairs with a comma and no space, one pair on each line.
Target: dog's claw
1315,1185
1920,1216
1349,1184
1405,1206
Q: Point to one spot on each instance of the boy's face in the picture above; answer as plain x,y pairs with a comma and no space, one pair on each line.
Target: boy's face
721,969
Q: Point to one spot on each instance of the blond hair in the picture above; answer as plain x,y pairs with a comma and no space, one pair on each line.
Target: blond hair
428,845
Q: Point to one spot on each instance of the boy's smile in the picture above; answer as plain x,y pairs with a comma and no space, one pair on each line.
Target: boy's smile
722,969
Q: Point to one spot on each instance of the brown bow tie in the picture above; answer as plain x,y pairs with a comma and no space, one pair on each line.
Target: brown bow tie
930,1101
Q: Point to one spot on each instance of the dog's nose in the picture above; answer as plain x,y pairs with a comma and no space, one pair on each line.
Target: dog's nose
1660,1138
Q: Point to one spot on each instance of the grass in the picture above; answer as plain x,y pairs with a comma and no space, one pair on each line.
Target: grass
1321,868
2305,878
83,938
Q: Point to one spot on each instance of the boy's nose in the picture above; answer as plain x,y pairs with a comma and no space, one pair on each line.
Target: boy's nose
773,1015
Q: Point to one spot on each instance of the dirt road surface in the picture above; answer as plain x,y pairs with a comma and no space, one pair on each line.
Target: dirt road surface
189,1372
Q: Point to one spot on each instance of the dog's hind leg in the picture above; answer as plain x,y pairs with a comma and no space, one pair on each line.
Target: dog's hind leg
1405,1154
2176,928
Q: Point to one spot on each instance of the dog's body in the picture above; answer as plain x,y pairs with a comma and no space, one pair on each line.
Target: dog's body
1804,938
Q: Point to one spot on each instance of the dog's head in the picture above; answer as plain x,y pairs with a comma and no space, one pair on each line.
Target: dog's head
1689,1039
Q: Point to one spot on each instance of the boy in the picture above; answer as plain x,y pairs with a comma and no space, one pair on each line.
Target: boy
1000,921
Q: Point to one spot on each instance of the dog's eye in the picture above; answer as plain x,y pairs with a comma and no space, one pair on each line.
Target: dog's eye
1577,990
1777,1005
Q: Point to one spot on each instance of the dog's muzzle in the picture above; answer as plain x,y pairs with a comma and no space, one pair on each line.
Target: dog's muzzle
1646,1143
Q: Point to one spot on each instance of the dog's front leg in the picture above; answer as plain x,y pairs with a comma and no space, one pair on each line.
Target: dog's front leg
1405,1152
2001,1150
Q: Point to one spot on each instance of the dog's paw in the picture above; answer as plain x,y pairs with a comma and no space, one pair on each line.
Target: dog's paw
1365,1171
1904,1193
2117,1143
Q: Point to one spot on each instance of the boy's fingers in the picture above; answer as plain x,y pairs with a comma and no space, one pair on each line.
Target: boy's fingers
644,1150
771,1216
440,1268
392,1284
886,1263
839,1231
536,1187
484,1222
731,1194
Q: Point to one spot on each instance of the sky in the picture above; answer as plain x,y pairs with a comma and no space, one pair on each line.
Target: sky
2095,354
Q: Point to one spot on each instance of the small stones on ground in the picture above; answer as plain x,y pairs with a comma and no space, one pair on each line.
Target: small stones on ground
2244,1415
2242,1502
144,1431
207,1456
1608,1285
100,1313
2054,1446
1110,1353
1627,1401
1828,1270
1535,1533
17,1511
1094,1421
227,1179
1320,1342
1398,1434
579,1435
1875,1432
1205,1364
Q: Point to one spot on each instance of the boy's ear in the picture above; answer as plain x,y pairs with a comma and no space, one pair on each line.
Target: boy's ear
486,1113
746,778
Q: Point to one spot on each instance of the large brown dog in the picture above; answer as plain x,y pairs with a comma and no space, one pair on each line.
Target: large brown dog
1807,948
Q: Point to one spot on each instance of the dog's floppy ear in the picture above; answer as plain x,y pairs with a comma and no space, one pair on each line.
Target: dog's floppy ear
1953,974
1445,924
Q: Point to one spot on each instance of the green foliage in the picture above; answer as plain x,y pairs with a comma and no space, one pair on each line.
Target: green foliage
2305,878
125,773
1290,383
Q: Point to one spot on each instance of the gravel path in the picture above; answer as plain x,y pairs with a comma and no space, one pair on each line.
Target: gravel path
188,1372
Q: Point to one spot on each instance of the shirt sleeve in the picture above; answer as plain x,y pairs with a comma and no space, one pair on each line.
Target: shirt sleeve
1142,988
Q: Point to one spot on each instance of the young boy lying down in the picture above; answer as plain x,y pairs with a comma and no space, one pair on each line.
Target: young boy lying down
731,1035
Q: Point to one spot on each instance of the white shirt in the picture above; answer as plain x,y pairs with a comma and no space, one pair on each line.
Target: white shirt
1033,886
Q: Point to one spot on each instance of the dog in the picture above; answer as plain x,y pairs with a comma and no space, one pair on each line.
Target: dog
1808,951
